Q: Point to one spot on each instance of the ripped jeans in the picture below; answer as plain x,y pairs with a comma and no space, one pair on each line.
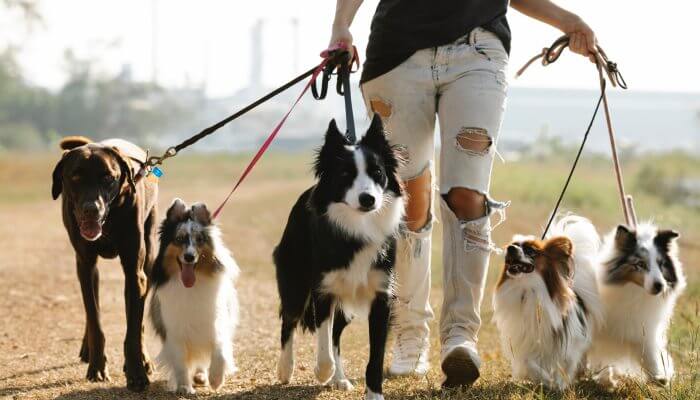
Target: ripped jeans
464,85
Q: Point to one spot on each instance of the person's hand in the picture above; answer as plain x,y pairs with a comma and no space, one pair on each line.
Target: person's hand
582,39
342,34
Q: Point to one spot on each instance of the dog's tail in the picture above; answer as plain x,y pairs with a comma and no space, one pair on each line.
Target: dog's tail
71,142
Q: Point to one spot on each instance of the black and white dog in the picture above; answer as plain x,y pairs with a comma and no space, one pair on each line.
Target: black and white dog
336,257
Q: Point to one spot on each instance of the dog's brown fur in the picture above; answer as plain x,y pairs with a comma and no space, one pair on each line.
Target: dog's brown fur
554,262
97,173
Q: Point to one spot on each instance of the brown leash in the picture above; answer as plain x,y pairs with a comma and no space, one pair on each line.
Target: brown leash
603,65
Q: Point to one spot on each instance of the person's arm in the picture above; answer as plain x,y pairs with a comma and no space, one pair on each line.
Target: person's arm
582,39
345,11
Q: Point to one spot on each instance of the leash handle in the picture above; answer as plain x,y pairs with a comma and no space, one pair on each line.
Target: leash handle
603,64
328,58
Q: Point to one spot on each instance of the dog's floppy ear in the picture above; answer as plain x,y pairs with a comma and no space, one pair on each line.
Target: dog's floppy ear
177,210
126,174
559,250
201,214
625,239
57,185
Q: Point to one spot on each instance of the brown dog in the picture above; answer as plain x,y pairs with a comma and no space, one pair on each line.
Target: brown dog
108,213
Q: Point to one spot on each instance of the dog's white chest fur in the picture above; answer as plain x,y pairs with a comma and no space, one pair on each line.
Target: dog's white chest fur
357,285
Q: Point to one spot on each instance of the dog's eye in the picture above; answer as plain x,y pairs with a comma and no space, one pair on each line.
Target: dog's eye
640,264
529,251
108,179
75,178
375,172
199,239
181,239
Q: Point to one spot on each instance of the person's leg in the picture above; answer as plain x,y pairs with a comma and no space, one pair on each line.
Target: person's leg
405,99
472,95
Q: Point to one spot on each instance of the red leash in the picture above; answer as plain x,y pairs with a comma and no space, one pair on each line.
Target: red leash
327,55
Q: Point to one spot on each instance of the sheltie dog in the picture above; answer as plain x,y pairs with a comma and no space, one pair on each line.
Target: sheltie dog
193,308
547,304
336,256
640,279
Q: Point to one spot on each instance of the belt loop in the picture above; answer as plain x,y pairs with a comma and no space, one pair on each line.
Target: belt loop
472,37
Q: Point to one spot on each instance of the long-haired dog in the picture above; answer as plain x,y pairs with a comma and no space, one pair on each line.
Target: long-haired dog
640,279
547,305
336,256
194,308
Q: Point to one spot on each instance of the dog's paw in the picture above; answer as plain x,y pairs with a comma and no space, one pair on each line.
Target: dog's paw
200,378
342,384
97,373
324,371
285,370
661,380
185,389
370,395
137,373
216,381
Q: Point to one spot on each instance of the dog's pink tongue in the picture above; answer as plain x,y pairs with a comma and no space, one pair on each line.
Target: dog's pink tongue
187,275
90,230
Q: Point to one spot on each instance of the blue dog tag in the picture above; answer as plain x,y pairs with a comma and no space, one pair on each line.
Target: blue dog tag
157,172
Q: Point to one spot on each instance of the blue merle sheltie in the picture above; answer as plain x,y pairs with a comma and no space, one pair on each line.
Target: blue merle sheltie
336,257
193,304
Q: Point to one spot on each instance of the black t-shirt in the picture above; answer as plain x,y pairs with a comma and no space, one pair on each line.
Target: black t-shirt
401,27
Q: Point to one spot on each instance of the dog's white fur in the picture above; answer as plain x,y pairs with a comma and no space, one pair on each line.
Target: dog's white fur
633,340
200,323
527,317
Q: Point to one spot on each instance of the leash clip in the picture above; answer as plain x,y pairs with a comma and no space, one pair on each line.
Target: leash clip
153,161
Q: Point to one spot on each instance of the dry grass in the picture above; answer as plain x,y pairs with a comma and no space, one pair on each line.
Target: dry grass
42,318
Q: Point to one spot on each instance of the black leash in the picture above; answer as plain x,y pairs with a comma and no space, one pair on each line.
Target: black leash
573,168
604,65
344,67
336,58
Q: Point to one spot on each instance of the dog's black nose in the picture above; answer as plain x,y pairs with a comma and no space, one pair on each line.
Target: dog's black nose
658,286
366,200
188,257
512,250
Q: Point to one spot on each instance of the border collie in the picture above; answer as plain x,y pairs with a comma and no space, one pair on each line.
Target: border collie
547,304
194,308
336,257
640,279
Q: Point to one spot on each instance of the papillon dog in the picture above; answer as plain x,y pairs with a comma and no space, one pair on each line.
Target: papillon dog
546,303
640,279
336,257
193,303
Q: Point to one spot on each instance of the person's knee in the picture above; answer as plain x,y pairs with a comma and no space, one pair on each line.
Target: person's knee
466,204
419,191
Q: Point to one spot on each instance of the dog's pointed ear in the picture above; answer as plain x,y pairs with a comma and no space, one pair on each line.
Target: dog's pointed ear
57,185
126,174
375,138
664,238
333,135
201,214
625,239
177,210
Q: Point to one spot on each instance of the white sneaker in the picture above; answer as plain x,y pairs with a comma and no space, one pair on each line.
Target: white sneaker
410,353
460,363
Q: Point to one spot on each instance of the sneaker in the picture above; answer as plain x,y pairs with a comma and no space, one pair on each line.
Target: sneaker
410,353
460,363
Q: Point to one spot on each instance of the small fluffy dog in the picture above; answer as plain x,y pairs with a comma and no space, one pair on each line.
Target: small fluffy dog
640,279
336,256
194,308
547,305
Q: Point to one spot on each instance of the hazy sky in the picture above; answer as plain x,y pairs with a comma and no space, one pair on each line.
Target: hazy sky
655,43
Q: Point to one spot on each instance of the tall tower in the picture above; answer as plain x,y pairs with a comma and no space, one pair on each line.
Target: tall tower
256,54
